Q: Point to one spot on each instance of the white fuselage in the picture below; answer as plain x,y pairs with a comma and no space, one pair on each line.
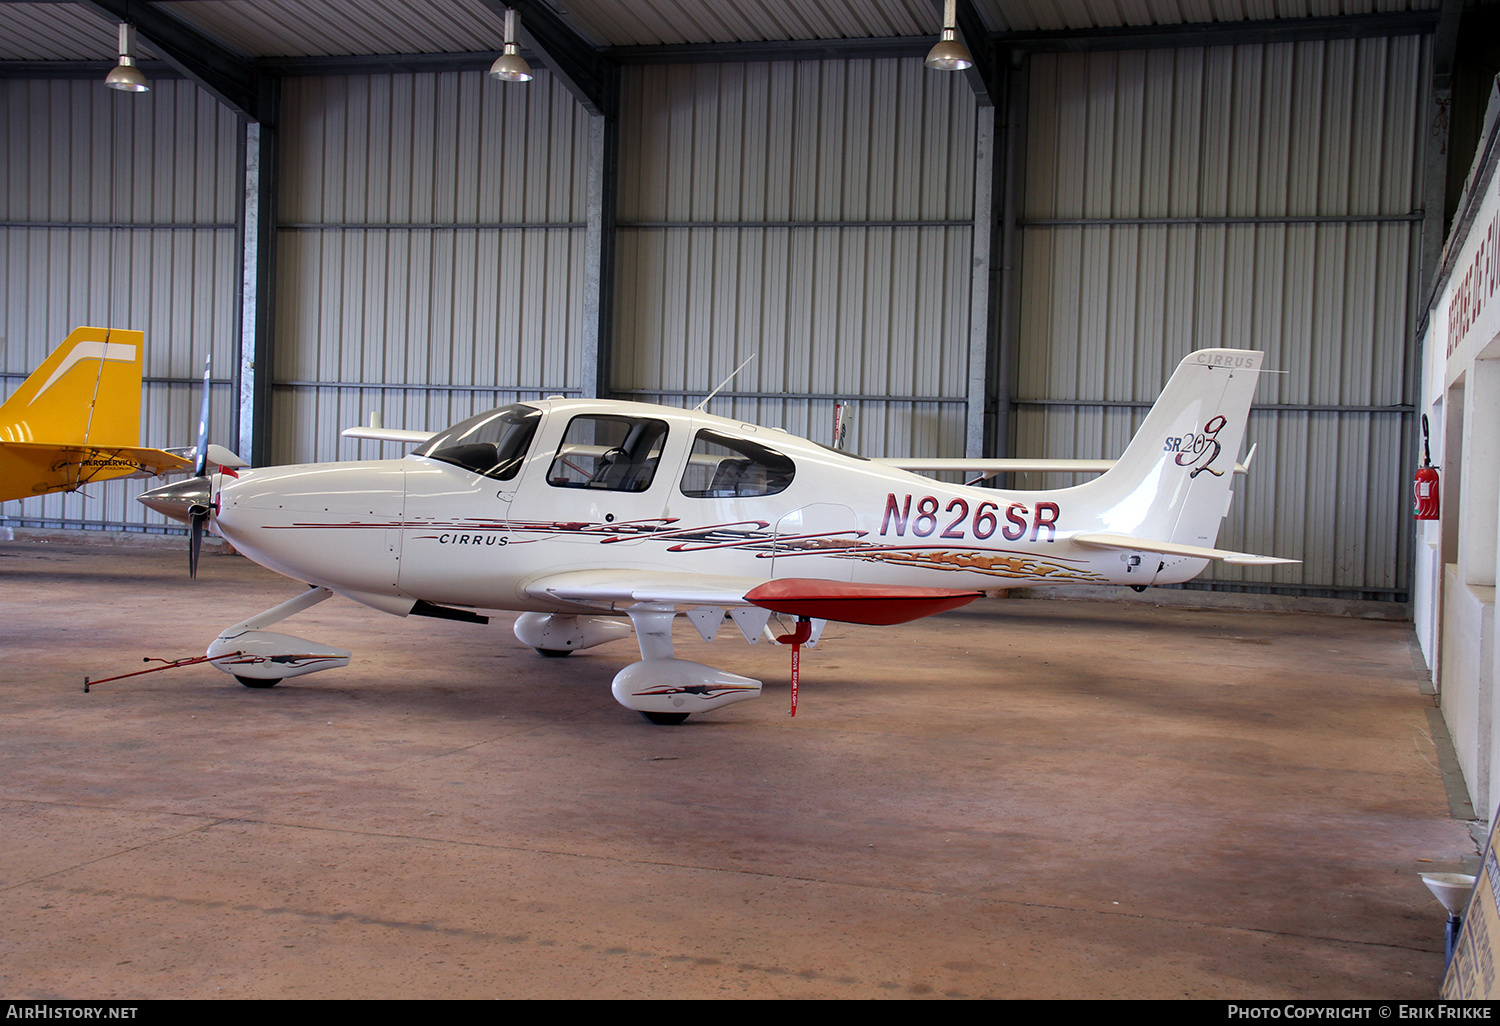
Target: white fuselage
388,532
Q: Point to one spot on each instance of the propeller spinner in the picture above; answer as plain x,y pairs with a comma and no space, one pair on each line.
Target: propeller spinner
193,501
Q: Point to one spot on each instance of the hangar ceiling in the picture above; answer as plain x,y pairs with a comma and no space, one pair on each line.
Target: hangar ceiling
77,30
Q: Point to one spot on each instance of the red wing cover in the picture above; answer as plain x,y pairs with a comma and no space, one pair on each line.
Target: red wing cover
844,602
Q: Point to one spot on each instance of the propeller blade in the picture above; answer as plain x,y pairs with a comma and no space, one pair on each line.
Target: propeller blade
200,518
202,466
198,512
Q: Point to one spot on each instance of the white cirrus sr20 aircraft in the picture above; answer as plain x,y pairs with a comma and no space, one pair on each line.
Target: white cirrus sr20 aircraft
583,514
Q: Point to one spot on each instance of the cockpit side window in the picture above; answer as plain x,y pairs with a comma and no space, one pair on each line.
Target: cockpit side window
493,444
618,454
723,467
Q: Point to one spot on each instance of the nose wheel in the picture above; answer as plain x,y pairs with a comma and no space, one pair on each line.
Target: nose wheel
258,682
663,719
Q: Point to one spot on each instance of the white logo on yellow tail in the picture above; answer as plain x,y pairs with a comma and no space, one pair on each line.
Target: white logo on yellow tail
88,351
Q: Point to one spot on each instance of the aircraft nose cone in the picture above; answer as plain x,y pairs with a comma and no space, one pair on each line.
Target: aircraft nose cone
177,499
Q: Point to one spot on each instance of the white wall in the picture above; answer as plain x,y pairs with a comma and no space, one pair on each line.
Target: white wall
1456,557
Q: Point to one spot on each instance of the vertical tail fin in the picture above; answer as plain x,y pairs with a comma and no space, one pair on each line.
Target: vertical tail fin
1173,482
88,391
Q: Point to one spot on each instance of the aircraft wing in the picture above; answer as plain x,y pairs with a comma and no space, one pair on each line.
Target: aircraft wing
843,601
52,467
616,590
1125,541
989,468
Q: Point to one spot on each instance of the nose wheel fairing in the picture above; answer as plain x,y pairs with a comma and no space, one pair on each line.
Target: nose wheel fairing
249,652
268,656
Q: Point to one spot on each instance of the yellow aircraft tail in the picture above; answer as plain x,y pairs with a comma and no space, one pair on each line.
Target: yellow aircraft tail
88,392
77,418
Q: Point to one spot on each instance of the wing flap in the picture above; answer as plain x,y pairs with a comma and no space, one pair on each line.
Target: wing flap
845,602
1125,541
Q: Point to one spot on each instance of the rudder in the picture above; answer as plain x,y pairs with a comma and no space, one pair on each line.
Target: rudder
1173,481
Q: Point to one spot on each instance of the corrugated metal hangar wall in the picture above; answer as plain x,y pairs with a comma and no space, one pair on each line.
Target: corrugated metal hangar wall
818,215
1249,197
429,253
120,214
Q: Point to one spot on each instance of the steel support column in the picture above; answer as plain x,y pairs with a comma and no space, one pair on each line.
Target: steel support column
259,184
982,285
1008,300
599,261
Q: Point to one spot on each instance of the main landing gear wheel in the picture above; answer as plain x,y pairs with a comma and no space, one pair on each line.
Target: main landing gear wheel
258,682
665,719
555,653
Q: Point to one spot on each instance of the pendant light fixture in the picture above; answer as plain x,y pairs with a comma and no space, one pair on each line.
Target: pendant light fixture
125,76
510,66
949,54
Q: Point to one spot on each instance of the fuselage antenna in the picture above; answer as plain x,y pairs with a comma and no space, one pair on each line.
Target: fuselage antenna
726,381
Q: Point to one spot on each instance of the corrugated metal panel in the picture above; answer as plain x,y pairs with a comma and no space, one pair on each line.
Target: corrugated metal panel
653,22
452,148
717,160
165,162
313,28
78,152
1031,16
1295,139
795,140
58,32
433,235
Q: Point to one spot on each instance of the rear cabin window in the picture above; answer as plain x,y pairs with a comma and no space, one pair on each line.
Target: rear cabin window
722,467
492,443
618,454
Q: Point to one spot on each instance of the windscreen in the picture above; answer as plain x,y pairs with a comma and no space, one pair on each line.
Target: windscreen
492,444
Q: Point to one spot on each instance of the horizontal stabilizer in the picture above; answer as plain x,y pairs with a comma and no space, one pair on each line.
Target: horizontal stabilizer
35,468
219,456
856,603
387,434
154,461
1125,541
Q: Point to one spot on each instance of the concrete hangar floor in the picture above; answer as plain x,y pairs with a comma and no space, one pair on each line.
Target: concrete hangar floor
1016,800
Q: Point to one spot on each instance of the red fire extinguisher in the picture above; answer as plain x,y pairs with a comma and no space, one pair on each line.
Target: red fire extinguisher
1425,487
